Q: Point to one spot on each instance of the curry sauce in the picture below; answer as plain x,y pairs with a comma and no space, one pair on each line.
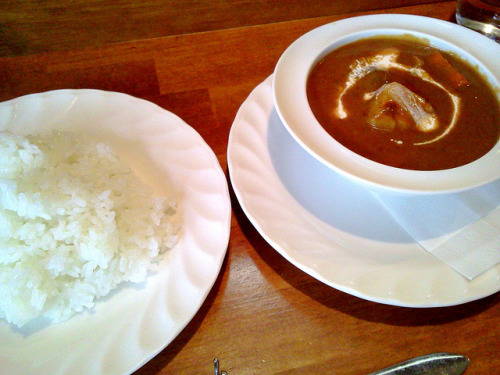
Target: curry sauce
404,104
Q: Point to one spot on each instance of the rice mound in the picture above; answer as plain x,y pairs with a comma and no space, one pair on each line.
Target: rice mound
75,222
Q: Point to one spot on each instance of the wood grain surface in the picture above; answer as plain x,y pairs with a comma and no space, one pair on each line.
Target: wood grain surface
28,26
200,60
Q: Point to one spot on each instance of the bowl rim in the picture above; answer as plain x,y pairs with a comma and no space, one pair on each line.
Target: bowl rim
290,99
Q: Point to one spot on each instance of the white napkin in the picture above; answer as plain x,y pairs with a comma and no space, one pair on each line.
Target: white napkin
461,229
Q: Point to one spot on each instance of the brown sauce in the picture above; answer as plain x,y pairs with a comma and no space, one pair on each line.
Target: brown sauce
398,141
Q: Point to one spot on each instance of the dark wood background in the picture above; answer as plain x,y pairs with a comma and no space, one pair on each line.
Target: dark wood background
28,26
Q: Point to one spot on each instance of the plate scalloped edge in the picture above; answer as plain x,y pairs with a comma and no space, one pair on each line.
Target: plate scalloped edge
400,274
134,323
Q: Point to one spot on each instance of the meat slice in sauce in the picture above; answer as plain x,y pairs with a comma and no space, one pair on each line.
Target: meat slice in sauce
395,106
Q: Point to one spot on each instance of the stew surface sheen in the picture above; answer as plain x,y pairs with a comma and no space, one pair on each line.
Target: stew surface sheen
440,114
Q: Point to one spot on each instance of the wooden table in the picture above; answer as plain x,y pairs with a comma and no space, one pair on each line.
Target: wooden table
263,316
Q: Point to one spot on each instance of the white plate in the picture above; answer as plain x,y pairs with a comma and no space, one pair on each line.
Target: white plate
134,323
329,226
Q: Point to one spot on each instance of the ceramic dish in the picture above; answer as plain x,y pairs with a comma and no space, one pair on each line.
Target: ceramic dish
135,322
329,226
289,92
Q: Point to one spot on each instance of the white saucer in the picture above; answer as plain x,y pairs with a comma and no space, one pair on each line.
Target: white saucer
330,227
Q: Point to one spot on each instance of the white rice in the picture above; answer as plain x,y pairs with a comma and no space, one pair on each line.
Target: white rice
75,222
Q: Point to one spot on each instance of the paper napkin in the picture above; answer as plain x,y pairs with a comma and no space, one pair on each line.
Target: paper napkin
461,229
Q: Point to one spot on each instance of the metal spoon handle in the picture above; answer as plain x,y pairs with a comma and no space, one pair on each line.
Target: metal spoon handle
216,368
431,364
